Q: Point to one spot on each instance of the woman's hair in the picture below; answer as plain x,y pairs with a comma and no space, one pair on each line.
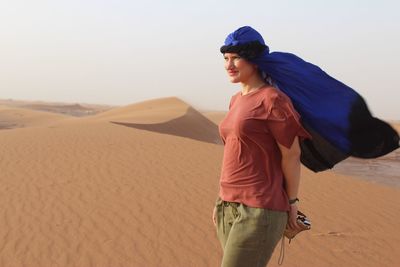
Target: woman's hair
249,50
266,78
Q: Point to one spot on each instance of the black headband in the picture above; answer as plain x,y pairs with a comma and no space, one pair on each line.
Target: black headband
248,50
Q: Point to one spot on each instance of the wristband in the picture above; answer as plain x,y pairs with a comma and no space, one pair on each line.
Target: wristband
292,201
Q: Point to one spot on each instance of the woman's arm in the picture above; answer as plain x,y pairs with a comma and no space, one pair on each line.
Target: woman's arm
291,172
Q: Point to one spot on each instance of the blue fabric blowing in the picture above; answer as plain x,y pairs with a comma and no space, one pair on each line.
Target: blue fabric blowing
336,116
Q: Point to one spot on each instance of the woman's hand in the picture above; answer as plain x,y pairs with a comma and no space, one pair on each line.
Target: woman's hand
214,216
292,222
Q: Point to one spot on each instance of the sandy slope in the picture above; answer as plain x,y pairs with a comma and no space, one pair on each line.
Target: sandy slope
12,117
75,109
135,186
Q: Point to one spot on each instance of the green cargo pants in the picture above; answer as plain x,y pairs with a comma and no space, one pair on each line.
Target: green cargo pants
248,235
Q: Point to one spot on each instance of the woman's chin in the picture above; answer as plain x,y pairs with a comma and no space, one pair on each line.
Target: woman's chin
234,79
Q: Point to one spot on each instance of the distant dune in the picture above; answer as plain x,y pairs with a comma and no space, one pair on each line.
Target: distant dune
73,110
18,118
76,109
154,110
135,186
167,115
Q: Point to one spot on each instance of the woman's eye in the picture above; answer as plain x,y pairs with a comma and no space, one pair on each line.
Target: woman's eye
231,58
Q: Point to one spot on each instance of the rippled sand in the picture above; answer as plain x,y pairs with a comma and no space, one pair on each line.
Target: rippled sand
135,186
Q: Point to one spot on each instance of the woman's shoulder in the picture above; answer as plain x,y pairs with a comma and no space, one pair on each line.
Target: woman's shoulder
275,99
271,93
270,90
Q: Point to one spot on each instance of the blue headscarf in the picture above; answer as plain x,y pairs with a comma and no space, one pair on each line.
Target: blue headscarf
336,116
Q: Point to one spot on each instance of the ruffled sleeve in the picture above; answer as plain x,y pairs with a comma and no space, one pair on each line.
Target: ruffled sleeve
283,121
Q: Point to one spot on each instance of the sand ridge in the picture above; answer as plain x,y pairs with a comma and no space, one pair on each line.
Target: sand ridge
135,186
13,117
75,109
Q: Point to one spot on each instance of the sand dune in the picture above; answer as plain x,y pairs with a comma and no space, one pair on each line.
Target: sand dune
135,186
154,110
75,109
166,115
94,193
72,109
11,117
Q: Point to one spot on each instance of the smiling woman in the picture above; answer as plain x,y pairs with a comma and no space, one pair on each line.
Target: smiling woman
265,138
261,166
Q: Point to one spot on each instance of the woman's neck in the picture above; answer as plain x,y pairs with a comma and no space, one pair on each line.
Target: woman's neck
252,85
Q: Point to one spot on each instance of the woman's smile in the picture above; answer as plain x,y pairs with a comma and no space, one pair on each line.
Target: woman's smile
232,72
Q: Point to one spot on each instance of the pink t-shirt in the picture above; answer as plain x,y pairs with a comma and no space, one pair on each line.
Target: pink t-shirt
251,168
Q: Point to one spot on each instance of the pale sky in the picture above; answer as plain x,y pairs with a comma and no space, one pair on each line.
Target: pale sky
121,52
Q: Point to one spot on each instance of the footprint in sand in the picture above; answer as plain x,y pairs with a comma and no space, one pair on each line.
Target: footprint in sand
331,233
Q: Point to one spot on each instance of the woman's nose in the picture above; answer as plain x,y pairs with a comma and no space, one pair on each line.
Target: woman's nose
229,64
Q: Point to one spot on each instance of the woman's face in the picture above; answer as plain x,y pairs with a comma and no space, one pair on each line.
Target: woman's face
239,69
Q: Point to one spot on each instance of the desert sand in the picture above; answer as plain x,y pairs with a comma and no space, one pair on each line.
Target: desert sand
135,186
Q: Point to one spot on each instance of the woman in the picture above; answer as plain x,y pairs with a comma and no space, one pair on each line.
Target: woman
261,132
261,168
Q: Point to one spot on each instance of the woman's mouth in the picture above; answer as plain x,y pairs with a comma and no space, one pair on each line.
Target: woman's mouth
232,73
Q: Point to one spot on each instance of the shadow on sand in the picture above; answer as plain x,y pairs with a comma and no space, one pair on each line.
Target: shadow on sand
192,124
